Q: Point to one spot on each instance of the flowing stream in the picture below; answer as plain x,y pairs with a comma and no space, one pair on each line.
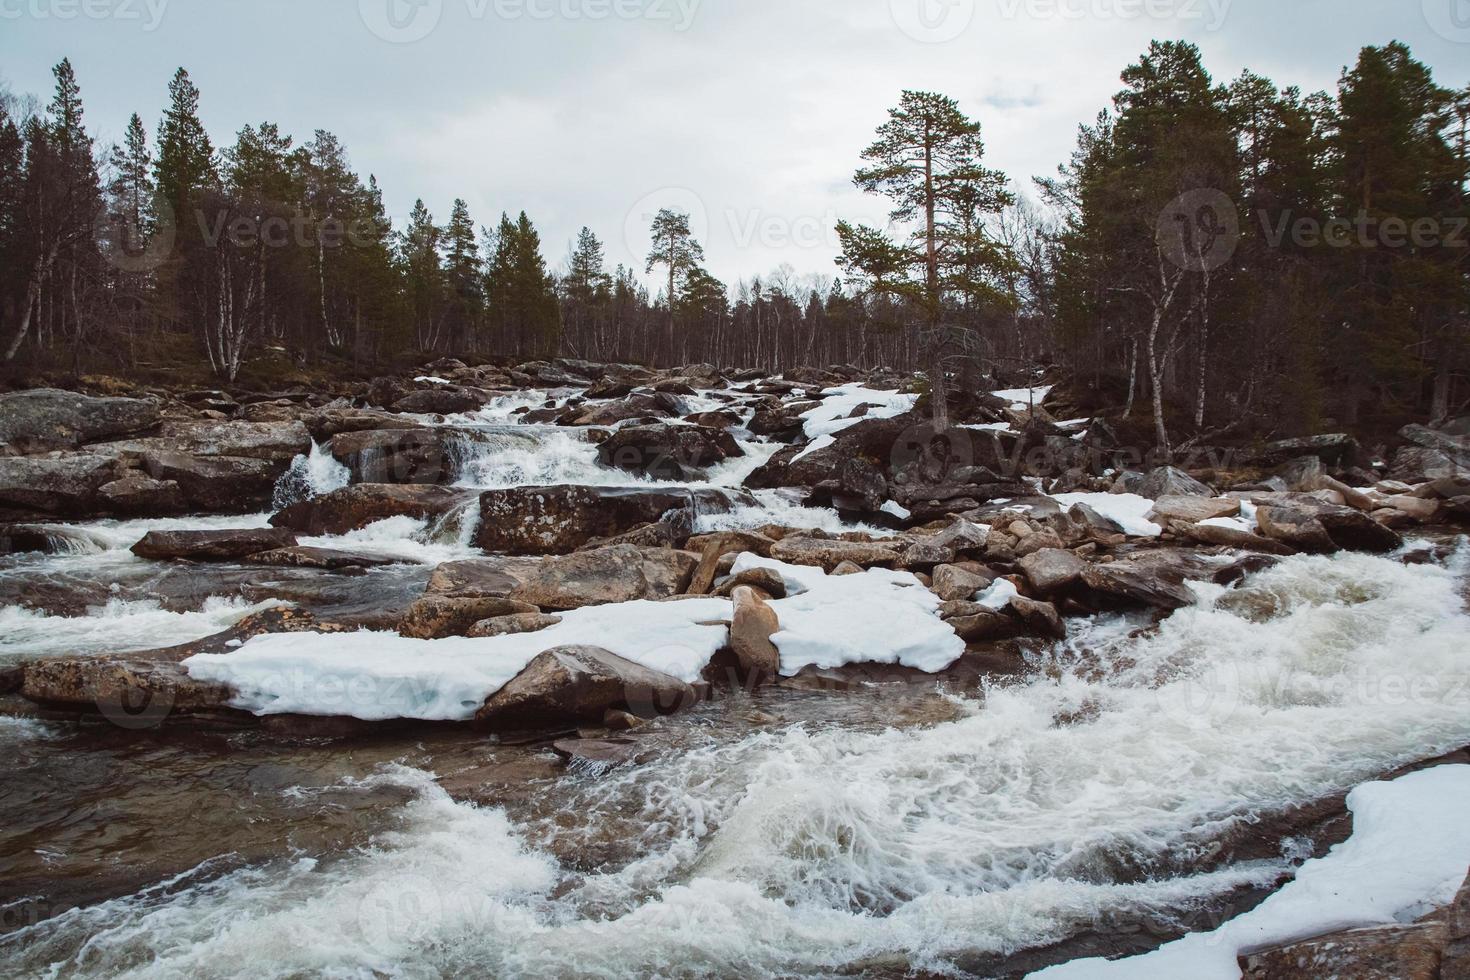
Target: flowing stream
786,833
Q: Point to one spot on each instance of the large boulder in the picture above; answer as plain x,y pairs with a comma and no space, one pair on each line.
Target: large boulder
1229,537
211,546
356,507
639,405
1193,509
1456,447
1336,449
443,400
325,423
45,419
1149,579
139,495
218,484
561,519
1309,523
277,442
571,685
668,452
1052,570
1167,481
62,486
1418,464
434,617
622,573
422,455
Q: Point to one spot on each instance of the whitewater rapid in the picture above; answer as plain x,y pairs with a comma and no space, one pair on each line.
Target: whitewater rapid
1093,793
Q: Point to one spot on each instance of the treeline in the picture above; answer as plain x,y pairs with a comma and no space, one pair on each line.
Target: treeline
1212,256
1243,252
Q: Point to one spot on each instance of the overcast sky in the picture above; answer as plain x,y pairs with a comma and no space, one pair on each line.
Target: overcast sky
750,114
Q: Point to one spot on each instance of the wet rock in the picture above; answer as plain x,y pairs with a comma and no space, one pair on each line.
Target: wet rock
63,486
659,534
356,507
218,484
512,625
406,456
579,684
1150,579
753,624
1167,481
590,578
50,539
44,419
1052,570
435,617
1418,509
598,753
560,519
139,495
211,546
270,441
1310,524
983,626
828,554
1194,509
1041,618
668,452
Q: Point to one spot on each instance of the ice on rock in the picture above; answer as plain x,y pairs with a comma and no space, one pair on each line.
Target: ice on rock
384,676
880,616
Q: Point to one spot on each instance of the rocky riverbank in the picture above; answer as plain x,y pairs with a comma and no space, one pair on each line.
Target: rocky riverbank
596,560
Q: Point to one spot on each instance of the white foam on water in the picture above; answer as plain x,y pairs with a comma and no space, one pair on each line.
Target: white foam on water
804,851
313,475
118,627
414,541
783,507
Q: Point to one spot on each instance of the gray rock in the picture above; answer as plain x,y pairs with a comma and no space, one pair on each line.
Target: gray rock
1167,481
211,546
668,452
828,554
622,573
356,507
1052,570
44,419
435,617
560,519
63,486
512,625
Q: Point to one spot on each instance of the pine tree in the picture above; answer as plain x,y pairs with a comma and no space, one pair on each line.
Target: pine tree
464,278
674,248
185,156
927,161
418,250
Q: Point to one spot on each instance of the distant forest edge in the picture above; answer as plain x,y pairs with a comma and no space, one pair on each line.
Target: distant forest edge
1212,257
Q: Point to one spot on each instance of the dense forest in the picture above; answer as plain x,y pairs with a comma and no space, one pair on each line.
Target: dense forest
1213,256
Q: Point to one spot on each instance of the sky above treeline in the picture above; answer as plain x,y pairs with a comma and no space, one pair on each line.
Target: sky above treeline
749,114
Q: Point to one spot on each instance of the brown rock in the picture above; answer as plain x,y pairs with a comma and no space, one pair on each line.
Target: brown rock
1044,540
434,617
139,495
326,559
211,546
511,625
622,573
753,624
828,554
1229,537
1195,509
560,519
1041,618
952,583
1051,570
1409,952
716,546
767,580
580,684
984,626
356,507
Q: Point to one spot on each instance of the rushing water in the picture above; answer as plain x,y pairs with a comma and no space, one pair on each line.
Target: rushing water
874,831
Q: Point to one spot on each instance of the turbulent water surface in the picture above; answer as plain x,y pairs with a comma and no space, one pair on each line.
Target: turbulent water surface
794,833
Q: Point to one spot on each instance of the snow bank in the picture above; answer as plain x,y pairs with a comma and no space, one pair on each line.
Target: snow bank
880,616
1128,509
383,676
832,416
1408,853
1024,398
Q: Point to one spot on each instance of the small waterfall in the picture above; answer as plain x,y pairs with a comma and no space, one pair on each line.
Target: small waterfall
312,475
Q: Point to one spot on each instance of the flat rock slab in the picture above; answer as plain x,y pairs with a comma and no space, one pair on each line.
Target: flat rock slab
211,546
558,520
621,573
